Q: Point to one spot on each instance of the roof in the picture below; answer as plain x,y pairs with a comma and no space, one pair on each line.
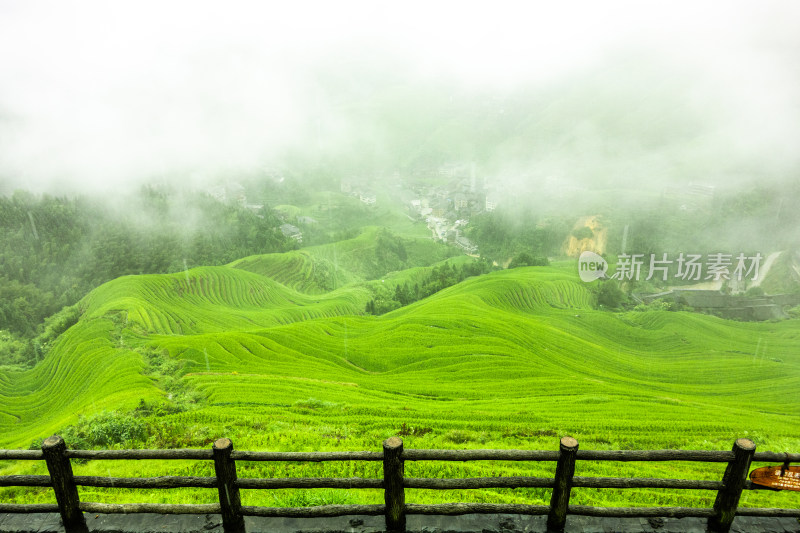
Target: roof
288,229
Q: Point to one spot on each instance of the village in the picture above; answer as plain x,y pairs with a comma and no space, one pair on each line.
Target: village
445,209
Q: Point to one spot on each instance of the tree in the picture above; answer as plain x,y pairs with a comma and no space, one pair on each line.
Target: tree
525,259
610,295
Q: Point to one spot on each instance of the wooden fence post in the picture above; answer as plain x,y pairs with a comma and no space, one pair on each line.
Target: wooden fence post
394,493
229,501
734,479
64,486
559,501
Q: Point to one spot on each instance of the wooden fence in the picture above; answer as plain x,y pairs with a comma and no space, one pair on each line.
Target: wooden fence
395,509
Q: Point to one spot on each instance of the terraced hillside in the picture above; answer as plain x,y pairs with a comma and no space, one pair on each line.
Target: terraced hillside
512,359
373,253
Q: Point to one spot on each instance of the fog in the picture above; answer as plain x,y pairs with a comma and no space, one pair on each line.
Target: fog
99,96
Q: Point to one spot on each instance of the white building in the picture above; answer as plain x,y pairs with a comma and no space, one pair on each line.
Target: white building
292,231
367,198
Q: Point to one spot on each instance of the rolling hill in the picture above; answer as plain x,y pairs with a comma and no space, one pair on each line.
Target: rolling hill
511,359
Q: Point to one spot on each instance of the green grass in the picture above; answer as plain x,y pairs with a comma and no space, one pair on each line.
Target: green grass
335,210
512,359
318,269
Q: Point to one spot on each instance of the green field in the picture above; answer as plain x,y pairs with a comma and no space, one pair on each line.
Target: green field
279,355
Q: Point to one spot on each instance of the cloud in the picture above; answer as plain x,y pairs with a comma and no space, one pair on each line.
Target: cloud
101,94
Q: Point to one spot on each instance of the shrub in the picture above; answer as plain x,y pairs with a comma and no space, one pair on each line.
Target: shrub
417,431
656,305
105,429
313,403
610,295
59,323
457,436
524,259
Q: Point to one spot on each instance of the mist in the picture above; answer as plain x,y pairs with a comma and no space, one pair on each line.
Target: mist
99,97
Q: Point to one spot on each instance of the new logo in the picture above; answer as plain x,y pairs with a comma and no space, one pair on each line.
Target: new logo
591,266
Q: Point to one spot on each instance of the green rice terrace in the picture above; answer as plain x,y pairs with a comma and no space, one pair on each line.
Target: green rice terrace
277,353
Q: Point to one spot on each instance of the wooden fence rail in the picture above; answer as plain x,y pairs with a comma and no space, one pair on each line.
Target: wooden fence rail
395,509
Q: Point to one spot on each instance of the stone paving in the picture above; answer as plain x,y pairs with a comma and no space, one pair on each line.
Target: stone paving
153,523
